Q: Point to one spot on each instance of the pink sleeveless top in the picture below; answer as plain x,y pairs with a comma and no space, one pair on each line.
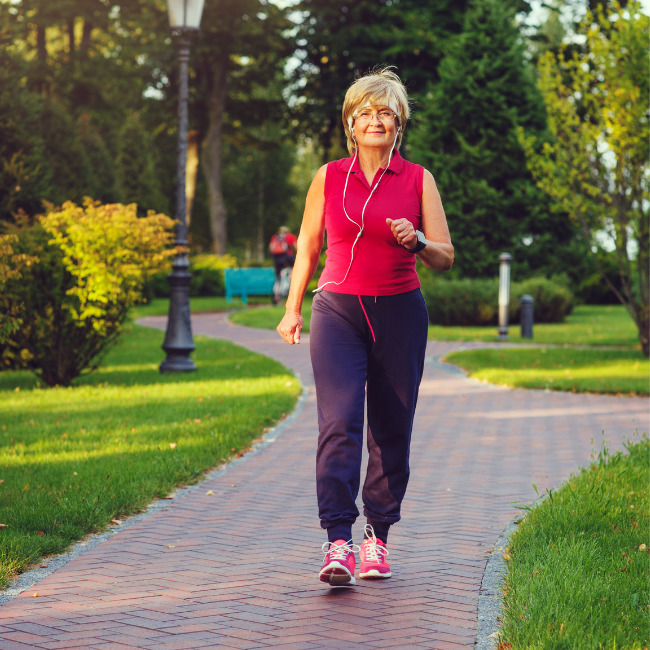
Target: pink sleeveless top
381,267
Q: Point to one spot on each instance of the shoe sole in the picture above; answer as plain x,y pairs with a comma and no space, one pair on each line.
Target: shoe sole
336,575
373,573
338,579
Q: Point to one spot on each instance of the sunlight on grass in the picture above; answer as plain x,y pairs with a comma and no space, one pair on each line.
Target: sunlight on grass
578,563
588,325
598,371
71,459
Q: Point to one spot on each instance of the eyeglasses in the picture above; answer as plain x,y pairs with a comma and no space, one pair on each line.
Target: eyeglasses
367,115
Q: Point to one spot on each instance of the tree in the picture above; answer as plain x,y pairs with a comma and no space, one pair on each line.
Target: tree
137,180
241,44
464,132
597,166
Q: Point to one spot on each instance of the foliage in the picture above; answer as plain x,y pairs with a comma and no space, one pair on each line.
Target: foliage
240,54
75,458
137,180
553,300
578,562
207,277
474,301
92,264
464,132
11,267
596,167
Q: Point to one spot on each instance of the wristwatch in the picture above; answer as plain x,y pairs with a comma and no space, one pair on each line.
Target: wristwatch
422,243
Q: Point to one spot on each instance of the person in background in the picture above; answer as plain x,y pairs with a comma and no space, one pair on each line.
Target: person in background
283,249
369,323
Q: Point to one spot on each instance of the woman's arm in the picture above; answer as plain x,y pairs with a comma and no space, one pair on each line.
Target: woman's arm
439,252
310,242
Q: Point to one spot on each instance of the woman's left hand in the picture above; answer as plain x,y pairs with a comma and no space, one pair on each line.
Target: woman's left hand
403,231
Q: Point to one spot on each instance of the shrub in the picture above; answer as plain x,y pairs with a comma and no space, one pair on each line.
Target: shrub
461,302
476,301
11,267
207,277
92,265
552,300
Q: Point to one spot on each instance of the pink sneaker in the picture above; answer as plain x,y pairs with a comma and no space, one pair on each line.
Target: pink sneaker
338,568
373,556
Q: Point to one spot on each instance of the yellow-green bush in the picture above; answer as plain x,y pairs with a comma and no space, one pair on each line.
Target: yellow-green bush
92,262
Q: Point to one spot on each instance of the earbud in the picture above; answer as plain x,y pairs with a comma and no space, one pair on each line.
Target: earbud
399,128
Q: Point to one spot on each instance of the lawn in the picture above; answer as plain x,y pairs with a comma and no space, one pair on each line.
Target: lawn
578,563
588,325
582,371
72,459
622,371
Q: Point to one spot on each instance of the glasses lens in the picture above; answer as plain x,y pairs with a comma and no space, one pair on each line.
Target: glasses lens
367,115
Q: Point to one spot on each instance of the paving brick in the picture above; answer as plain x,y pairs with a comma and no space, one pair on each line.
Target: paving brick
243,570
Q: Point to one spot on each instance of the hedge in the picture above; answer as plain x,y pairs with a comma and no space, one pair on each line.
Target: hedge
476,301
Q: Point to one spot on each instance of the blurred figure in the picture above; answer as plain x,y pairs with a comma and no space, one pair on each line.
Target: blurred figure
283,248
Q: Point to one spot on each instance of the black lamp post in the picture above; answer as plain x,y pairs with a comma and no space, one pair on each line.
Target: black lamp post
184,19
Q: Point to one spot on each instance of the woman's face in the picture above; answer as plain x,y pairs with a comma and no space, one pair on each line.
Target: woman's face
375,126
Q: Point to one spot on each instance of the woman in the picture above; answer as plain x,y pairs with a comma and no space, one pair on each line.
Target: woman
369,322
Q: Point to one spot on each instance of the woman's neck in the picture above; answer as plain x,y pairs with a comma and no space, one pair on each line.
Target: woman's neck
371,159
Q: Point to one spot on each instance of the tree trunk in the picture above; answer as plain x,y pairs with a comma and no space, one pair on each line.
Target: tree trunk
41,46
85,37
260,209
191,170
211,154
644,326
71,39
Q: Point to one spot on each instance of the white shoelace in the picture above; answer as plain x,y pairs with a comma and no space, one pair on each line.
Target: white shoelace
372,550
339,551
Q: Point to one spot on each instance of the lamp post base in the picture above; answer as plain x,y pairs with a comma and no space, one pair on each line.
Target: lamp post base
177,363
179,344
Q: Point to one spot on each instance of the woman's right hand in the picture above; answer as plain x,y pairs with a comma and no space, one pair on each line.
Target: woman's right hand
290,327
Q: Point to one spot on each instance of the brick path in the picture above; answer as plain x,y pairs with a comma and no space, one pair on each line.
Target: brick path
238,569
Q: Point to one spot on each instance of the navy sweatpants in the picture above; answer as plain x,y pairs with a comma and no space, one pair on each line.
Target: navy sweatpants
365,347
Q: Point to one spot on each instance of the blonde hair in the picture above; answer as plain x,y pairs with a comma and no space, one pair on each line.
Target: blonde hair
380,87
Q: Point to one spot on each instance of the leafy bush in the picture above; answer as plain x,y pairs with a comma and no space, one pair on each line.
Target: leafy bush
461,302
207,277
92,262
11,266
553,300
476,301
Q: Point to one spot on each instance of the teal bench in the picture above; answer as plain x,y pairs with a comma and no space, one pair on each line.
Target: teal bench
249,282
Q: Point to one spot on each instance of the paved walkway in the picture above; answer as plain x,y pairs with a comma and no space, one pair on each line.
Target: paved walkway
238,569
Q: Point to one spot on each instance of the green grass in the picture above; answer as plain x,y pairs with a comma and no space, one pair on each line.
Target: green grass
587,325
597,371
578,563
198,305
72,459
580,371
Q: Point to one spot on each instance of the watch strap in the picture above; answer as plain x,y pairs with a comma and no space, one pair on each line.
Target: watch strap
419,246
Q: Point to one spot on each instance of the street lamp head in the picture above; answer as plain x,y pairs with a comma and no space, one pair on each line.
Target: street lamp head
185,15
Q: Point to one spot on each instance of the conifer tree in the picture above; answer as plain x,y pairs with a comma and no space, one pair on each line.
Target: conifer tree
464,132
136,169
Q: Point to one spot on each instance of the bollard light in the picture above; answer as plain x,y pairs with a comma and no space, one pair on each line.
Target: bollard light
184,19
526,316
504,293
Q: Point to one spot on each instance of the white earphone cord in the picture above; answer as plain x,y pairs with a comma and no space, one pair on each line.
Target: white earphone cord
363,211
